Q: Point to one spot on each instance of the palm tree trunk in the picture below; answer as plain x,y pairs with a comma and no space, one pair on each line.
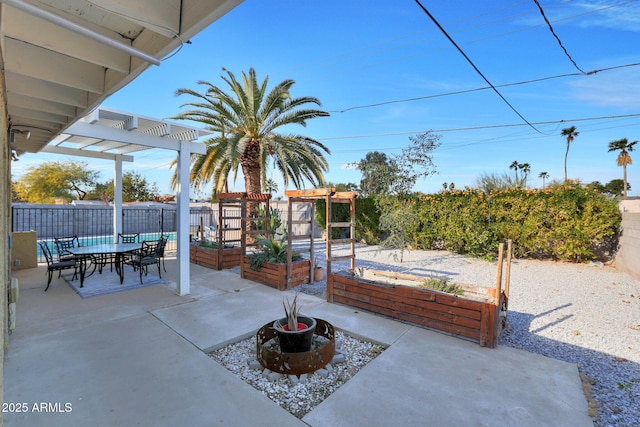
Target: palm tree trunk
624,174
565,161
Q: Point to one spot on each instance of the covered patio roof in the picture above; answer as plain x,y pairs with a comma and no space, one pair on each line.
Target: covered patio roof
109,134
62,58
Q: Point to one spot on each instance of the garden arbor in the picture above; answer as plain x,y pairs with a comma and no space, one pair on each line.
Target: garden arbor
330,196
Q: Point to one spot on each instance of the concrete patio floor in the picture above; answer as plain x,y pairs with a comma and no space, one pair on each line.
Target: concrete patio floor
139,358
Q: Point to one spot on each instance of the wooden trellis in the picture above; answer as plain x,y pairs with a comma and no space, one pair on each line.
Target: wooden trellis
226,201
330,196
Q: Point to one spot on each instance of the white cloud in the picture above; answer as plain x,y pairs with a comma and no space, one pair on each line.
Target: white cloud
619,89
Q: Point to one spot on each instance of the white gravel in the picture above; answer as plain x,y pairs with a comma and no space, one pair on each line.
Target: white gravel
588,314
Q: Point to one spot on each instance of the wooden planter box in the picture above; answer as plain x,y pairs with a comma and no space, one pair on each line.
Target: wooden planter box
215,258
474,316
275,275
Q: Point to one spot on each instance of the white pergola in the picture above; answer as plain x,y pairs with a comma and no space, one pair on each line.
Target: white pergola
115,135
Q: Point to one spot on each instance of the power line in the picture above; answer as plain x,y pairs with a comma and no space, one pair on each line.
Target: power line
460,92
474,65
556,36
480,127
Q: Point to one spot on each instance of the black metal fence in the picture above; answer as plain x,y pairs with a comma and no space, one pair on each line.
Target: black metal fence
94,224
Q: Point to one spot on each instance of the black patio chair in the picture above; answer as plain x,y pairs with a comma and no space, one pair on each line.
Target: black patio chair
122,238
149,254
128,238
64,246
58,266
161,246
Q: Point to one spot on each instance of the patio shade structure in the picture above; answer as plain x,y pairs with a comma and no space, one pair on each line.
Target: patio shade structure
59,61
115,135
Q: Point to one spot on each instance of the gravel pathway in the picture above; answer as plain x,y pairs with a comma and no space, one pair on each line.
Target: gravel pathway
588,314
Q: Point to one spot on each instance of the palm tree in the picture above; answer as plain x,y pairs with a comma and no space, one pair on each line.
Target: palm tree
544,176
624,159
570,134
270,186
515,166
247,122
525,168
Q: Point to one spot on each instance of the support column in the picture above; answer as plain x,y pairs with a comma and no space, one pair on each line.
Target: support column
182,210
117,197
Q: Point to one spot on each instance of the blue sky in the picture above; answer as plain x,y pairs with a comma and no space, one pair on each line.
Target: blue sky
351,53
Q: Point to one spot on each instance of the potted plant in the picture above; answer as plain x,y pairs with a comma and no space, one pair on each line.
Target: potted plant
317,271
294,332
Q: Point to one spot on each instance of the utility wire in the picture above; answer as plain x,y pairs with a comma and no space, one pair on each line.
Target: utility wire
474,66
460,92
557,38
481,127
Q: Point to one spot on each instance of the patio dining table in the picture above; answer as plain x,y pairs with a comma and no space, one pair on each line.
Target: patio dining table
118,250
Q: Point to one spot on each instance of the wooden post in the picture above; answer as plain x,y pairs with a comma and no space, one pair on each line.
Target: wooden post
508,278
499,274
352,230
328,234
290,243
312,251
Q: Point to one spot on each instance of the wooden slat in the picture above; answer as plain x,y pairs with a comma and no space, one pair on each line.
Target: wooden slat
315,192
340,224
300,236
340,258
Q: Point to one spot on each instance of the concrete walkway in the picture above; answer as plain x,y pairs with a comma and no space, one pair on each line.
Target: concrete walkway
138,358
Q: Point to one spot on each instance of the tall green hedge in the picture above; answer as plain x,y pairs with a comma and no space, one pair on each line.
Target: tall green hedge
567,222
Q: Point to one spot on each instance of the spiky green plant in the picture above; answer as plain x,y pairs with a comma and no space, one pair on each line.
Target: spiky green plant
441,284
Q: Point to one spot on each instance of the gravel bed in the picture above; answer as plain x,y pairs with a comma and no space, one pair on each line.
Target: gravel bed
587,314
297,394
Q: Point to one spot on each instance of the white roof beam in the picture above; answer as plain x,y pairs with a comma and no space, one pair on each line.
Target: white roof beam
113,134
85,153
39,104
49,91
44,64
19,25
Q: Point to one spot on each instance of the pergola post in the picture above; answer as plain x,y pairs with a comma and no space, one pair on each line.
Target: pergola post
182,209
117,197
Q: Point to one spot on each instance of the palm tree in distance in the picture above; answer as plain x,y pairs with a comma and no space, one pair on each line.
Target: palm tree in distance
570,134
247,122
544,176
525,168
270,186
624,146
515,166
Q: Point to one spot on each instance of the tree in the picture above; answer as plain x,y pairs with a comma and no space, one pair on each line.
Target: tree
515,166
616,187
525,168
570,134
397,174
270,186
378,173
55,180
135,188
624,146
544,176
248,123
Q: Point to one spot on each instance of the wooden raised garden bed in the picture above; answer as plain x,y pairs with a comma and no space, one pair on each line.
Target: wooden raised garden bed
474,315
215,258
275,275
